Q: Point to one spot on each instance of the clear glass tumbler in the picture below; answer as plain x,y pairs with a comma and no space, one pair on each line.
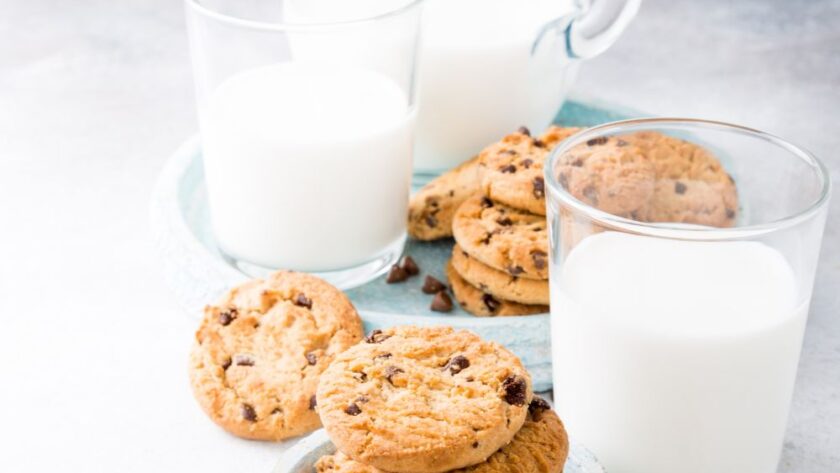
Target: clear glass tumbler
307,133
680,292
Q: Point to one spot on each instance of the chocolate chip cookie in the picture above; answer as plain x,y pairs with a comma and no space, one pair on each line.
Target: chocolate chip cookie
260,351
511,171
498,284
483,304
504,238
423,399
540,446
431,209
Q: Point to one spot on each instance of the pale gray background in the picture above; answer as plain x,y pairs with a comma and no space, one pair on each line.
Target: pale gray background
95,94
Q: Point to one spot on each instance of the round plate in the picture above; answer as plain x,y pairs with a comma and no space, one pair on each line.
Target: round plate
195,270
302,457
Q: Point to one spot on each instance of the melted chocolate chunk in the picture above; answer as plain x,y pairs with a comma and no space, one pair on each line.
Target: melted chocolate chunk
410,266
391,371
524,130
396,274
248,413
539,187
537,407
456,364
505,221
311,358
526,163
679,187
227,316
302,301
491,303
486,202
475,444
226,363
516,390
431,221
352,410
382,356
313,403
361,376
601,140
539,258
432,285
276,410
441,302
376,336
539,143
515,270
243,360
509,169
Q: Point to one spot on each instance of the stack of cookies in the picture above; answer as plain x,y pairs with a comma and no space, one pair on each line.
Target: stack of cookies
431,400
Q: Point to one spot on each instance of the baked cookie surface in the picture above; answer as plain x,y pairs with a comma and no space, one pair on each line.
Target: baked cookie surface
423,399
511,171
260,352
540,446
482,304
504,238
497,283
431,209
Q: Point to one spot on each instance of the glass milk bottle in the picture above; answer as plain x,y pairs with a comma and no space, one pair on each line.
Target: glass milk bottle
307,135
676,343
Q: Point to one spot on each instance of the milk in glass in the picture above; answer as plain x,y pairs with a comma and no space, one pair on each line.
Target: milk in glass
675,356
308,166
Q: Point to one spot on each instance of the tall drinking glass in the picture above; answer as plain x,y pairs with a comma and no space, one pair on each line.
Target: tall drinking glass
307,134
679,305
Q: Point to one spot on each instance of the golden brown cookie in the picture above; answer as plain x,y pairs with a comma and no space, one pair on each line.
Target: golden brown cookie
540,446
502,237
482,304
431,209
259,353
423,399
511,171
499,284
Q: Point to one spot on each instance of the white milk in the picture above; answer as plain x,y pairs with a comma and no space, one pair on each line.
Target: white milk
308,167
675,356
477,80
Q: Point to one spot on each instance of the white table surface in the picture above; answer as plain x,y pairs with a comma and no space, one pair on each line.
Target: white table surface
95,94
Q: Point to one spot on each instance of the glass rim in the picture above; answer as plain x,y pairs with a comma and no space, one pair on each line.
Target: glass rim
282,26
677,230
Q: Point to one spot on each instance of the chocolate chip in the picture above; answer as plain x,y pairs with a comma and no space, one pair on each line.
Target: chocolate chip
352,409
441,302
362,399
470,379
516,390
486,202
601,140
505,222
226,364
526,163
431,221
243,360
679,187
486,239
382,356
227,316
410,266
730,214
538,256
475,445
456,364
432,285
361,376
515,270
396,274
248,413
491,303
511,152
509,169
311,358
376,336
592,194
302,301
391,371
524,130
537,407
539,143
277,410
539,187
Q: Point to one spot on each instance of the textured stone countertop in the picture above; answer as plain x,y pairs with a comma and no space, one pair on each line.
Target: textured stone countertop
95,94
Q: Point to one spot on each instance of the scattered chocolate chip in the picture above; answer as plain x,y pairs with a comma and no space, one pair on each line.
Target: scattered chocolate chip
441,302
486,239
248,413
539,187
456,364
486,202
524,130
362,399
303,301
538,256
243,360
491,303
391,371
475,445
730,214
516,390
539,143
311,358
515,270
431,221
601,140
376,336
537,407
505,222
509,169
410,266
382,356
679,187
396,274
361,376
592,194
227,316
226,363
352,409
432,285
526,163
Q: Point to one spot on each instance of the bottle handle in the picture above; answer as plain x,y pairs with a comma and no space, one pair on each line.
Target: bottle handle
593,28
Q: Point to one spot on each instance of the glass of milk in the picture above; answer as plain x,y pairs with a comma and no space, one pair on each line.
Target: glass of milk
307,134
675,346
